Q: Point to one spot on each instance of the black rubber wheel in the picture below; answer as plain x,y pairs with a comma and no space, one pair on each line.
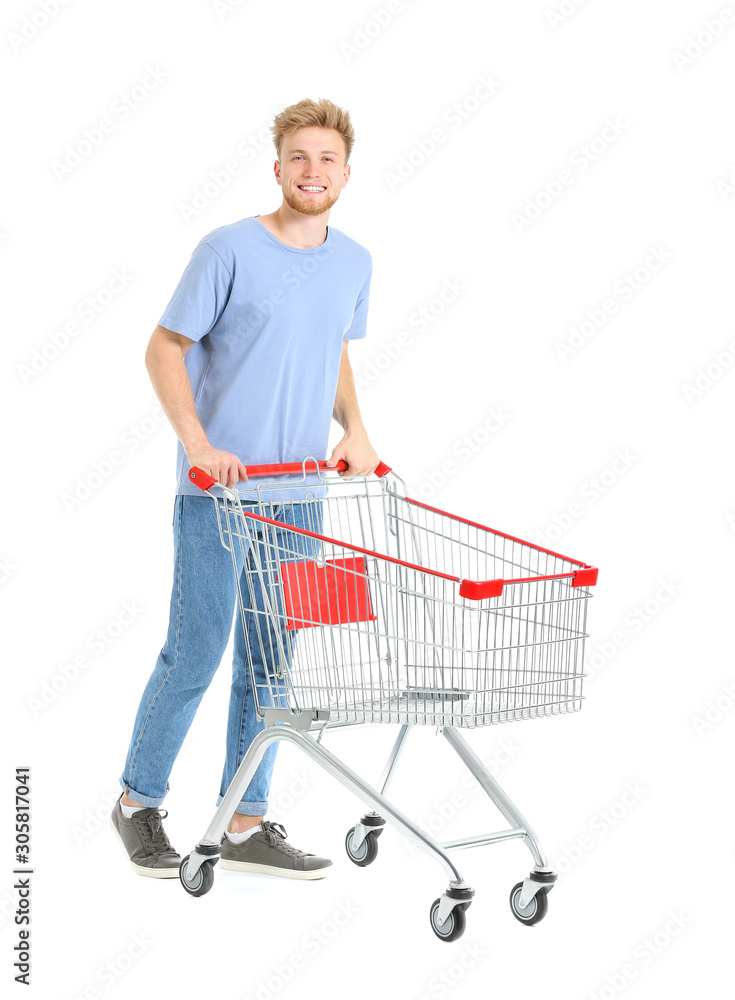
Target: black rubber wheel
203,880
368,851
453,927
536,909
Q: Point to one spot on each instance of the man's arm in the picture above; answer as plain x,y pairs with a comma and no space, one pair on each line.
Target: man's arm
164,360
354,447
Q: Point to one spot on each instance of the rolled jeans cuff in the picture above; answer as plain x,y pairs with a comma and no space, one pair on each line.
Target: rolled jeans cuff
248,808
145,800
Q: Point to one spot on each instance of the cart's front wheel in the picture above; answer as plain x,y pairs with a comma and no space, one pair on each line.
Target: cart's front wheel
202,882
366,853
453,927
536,909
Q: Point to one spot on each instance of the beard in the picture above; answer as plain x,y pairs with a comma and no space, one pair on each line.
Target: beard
308,204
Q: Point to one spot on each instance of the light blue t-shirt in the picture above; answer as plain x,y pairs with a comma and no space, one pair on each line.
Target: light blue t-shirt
268,321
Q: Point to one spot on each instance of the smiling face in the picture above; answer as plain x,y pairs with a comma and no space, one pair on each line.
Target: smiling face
312,169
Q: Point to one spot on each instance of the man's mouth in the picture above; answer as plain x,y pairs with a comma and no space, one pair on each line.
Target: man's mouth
312,188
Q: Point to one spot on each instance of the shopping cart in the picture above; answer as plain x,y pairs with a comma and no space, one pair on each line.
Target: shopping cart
377,608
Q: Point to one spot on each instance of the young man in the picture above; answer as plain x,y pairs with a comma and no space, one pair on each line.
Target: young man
249,361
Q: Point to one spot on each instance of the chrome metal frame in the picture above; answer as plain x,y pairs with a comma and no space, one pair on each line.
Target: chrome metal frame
208,847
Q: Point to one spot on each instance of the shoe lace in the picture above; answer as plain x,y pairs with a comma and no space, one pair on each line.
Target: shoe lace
275,834
153,833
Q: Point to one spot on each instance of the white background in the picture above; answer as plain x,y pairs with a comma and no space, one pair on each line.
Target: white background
661,530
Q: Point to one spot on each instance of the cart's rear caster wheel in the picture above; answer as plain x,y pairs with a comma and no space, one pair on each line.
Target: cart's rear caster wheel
202,881
453,927
367,851
536,909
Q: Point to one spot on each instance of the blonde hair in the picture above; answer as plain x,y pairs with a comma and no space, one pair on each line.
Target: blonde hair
322,113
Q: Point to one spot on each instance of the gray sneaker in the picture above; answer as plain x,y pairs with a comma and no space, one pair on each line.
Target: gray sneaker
267,853
146,844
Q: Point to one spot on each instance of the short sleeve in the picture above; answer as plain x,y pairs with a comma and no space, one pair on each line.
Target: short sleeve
200,296
358,327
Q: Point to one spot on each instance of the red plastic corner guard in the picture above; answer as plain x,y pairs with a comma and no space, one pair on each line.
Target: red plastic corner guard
382,470
201,479
586,577
478,590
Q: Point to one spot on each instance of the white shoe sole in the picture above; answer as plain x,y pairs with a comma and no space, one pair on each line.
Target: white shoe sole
148,872
244,866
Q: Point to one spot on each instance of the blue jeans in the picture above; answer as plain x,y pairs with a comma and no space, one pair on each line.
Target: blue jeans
203,600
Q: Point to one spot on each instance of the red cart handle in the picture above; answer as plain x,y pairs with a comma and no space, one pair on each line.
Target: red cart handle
203,480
